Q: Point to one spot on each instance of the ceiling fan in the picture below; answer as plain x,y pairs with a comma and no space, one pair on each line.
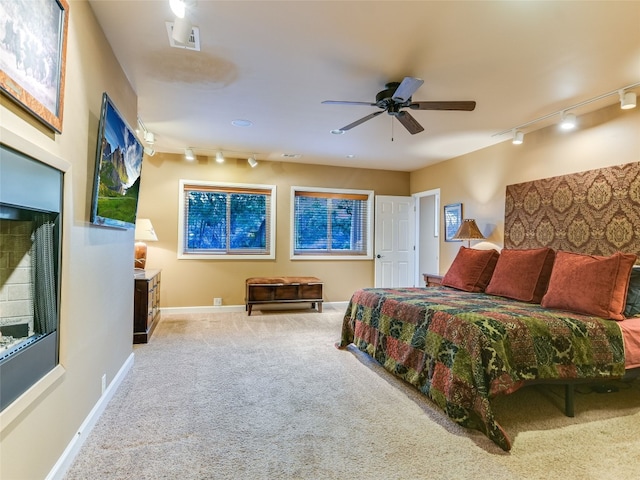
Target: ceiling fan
397,96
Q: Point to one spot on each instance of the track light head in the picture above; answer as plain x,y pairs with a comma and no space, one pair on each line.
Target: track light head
149,151
568,121
178,8
628,100
188,154
149,137
252,161
219,157
518,137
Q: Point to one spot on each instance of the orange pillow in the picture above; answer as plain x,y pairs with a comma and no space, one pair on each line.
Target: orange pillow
590,284
522,274
471,270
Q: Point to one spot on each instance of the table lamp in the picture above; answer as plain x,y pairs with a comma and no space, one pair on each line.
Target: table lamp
469,231
144,233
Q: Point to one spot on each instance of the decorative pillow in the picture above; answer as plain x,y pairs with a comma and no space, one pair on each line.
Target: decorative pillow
589,284
632,308
471,270
522,274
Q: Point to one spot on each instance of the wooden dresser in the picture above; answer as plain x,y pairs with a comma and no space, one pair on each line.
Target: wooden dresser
146,304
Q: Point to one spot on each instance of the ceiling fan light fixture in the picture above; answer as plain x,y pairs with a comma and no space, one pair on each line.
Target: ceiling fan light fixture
219,157
188,154
568,121
518,137
628,100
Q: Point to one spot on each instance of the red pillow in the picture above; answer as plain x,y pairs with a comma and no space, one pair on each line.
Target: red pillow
471,270
522,274
590,284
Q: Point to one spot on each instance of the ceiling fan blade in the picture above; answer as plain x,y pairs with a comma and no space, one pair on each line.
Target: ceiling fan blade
362,120
462,105
410,123
406,89
340,102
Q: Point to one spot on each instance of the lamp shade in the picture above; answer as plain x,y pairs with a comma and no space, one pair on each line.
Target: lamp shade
469,231
145,231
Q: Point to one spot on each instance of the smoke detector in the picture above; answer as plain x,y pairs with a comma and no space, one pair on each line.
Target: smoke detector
193,43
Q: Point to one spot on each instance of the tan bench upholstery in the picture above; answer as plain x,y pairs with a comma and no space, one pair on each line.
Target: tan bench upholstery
266,290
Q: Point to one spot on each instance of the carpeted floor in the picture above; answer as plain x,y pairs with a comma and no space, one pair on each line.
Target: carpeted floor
226,396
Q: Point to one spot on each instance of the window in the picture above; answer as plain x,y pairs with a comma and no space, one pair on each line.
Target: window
331,224
223,220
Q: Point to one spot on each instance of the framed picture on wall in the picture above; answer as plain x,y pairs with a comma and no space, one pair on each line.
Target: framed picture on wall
33,45
452,221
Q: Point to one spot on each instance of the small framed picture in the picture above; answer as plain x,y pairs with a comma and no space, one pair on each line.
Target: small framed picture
452,221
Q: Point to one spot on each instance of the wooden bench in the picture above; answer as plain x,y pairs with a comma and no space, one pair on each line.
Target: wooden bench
265,290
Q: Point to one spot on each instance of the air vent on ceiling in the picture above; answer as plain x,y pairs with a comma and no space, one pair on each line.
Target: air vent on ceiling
194,38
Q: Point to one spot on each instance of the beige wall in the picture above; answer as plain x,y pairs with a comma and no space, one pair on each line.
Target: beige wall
609,136
97,282
196,282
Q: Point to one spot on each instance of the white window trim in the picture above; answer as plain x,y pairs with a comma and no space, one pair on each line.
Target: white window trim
224,256
369,224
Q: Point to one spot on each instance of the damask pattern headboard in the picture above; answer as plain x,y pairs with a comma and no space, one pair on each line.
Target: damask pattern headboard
595,212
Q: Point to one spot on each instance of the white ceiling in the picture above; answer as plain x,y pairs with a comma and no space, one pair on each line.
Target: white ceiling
274,62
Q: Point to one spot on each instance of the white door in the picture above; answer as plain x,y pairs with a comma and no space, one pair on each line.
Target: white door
394,241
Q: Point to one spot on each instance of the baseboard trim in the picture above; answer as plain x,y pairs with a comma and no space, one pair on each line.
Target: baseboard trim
66,459
240,308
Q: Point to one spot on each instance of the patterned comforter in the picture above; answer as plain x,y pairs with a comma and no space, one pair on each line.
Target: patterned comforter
461,349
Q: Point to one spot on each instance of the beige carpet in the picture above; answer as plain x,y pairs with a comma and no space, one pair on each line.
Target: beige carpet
226,396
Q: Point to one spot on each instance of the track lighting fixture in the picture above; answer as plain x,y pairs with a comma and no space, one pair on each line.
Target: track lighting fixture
149,137
181,30
149,151
252,161
568,121
219,157
518,137
627,100
178,8
188,154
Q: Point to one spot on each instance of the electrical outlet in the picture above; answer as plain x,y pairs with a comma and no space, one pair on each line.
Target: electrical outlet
217,301
104,382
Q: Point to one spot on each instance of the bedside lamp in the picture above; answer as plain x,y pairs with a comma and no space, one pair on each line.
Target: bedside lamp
144,233
469,231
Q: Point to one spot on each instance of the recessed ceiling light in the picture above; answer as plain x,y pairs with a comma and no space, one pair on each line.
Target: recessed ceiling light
337,131
241,123
291,155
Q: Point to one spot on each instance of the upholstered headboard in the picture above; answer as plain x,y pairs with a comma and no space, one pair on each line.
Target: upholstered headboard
595,212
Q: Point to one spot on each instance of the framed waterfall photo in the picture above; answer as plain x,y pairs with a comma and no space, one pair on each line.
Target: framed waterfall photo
33,45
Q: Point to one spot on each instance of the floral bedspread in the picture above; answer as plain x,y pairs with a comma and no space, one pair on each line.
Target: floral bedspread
461,349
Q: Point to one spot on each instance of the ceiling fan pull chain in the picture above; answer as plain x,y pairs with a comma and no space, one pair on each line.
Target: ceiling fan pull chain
392,128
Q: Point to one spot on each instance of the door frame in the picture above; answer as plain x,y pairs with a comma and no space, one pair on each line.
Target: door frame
419,231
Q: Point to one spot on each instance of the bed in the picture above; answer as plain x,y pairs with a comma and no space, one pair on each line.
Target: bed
545,312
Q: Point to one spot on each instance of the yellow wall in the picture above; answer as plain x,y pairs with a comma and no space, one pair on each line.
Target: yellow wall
609,136
197,282
97,263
